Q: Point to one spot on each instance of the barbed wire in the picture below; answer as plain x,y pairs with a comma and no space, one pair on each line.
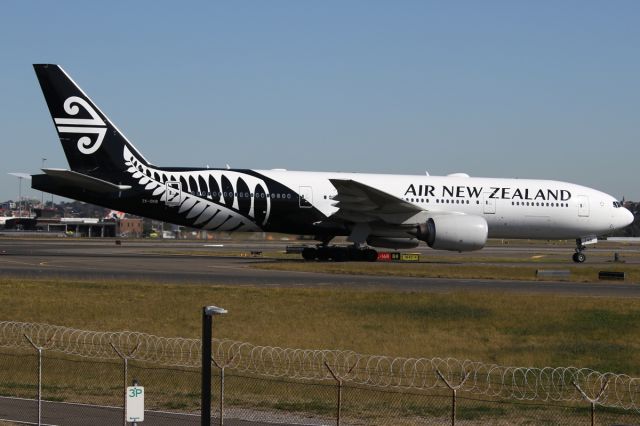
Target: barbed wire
519,383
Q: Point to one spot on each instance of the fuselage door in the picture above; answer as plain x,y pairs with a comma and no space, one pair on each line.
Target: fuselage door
173,194
488,204
306,197
583,206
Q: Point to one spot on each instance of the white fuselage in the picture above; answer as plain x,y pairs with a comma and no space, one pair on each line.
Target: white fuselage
513,208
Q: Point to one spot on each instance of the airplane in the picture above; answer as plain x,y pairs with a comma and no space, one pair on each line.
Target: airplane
455,212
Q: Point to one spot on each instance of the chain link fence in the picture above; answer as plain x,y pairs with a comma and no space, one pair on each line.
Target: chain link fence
84,373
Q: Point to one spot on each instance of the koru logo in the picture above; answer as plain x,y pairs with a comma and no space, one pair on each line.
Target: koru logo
93,125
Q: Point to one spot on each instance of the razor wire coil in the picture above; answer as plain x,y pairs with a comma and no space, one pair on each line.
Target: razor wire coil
478,378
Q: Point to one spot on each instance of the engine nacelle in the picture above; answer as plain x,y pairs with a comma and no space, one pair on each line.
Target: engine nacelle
454,232
393,243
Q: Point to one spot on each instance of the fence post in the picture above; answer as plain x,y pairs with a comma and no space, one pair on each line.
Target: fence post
125,364
39,350
339,382
593,401
454,391
222,367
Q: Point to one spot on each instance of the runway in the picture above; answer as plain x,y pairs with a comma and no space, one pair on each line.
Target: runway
175,262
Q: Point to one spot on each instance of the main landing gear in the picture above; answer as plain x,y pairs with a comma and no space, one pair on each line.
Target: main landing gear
340,254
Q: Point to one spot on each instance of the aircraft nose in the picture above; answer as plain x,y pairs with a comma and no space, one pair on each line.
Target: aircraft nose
626,217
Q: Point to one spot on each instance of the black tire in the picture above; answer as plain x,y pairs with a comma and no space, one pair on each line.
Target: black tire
354,255
339,254
370,255
581,257
323,254
309,253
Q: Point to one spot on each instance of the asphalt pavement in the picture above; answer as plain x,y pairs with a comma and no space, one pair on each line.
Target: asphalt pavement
184,262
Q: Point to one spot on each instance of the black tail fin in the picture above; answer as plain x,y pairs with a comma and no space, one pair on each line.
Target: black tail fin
92,144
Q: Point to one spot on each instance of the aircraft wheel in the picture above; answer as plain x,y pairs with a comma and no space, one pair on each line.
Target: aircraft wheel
579,257
309,253
353,255
323,254
370,255
339,255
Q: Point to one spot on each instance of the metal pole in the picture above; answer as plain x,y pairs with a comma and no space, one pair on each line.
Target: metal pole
39,386
454,391
339,400
207,359
339,382
593,401
20,196
222,367
453,408
124,393
39,349
205,392
124,402
222,396
42,192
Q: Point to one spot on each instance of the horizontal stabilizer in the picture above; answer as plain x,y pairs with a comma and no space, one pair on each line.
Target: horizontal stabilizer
84,181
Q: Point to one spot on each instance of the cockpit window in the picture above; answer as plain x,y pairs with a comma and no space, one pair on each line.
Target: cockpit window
617,204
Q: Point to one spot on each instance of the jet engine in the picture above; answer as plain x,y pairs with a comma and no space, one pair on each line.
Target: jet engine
392,242
454,232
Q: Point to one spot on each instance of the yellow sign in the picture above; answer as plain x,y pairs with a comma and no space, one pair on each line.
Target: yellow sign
410,257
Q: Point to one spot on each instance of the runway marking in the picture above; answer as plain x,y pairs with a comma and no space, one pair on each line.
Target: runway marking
17,262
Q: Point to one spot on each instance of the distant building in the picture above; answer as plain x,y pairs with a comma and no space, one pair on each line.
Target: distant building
79,227
130,227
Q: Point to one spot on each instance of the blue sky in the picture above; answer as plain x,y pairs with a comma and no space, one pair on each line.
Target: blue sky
544,89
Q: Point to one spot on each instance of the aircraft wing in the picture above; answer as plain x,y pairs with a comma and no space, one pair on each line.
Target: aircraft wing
360,203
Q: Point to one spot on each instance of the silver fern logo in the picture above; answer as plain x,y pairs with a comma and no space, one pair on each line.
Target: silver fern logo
214,200
93,126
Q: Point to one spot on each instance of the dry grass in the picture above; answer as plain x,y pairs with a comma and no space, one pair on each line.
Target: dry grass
538,330
508,270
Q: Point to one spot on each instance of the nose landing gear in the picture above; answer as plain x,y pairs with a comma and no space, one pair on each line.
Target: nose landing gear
579,257
581,246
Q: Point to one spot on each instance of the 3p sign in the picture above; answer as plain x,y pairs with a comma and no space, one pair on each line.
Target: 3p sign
134,407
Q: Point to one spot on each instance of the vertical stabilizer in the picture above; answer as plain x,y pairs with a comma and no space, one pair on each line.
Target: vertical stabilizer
92,144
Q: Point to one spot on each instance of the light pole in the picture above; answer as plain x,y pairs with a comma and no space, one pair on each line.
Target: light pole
19,196
20,176
207,333
42,192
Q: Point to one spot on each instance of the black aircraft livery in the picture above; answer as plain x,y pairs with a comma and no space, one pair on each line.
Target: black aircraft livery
210,199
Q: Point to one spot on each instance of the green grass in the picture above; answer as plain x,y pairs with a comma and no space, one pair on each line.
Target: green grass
514,329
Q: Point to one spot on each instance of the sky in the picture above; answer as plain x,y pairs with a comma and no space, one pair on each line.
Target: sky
538,89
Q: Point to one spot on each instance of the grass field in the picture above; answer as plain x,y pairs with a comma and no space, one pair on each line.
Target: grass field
505,269
514,329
